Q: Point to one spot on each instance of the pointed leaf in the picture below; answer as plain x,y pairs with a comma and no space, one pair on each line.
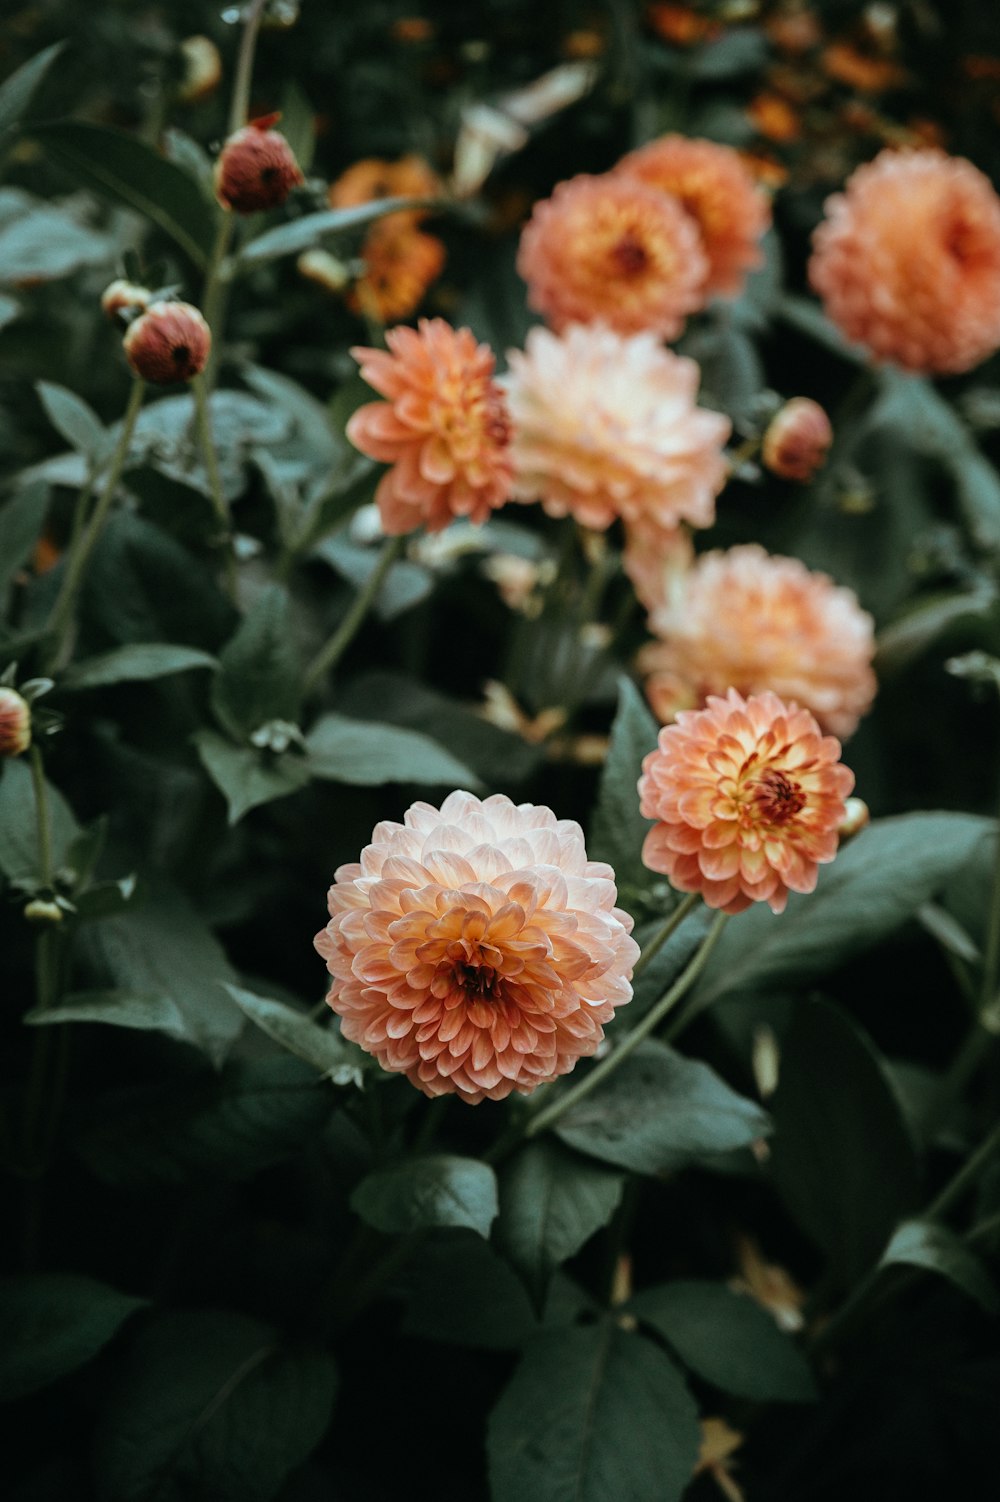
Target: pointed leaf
146,1013
247,777
300,234
74,419
551,1202
323,1047
138,663
260,676
922,1243
21,521
16,91
618,829
440,1189
19,856
52,1323
366,755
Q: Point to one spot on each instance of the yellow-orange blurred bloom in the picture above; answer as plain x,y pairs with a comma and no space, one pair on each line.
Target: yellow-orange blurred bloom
774,118
374,177
869,75
681,25
401,263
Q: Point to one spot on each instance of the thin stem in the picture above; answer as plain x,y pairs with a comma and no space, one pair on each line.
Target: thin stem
203,419
215,292
240,104
61,618
550,1114
42,817
991,949
330,654
658,940
965,1178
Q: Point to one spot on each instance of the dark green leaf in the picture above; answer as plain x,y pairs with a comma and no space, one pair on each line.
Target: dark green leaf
127,170
74,419
138,663
21,521
300,234
593,1415
922,1243
841,1156
17,90
661,1111
260,677
551,1202
728,1340
405,585
149,1013
44,242
618,829
439,1189
209,1405
458,1290
247,777
52,1323
323,1047
367,755
19,859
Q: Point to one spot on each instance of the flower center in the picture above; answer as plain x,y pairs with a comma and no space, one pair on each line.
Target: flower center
777,798
629,255
477,981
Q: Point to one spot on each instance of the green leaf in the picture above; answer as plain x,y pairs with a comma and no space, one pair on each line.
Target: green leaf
323,1047
301,234
44,242
593,1415
164,949
128,171
928,620
437,1190
458,1290
145,1013
74,419
53,1323
205,1125
21,522
17,90
405,585
727,1339
618,829
19,858
209,1404
922,1243
879,881
137,663
364,754
661,1111
551,1202
260,675
841,1156
247,777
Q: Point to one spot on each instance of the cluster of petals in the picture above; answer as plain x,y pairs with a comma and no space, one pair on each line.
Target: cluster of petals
606,426
401,260
748,795
375,177
718,191
614,249
475,948
749,620
907,261
444,427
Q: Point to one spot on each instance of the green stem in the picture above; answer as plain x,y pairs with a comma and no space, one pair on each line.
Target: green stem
991,949
331,652
965,1178
550,1114
42,817
61,619
203,418
215,292
240,104
658,940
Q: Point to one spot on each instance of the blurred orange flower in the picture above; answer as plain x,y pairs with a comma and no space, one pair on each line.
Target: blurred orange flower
681,25
774,118
408,177
856,69
401,263
747,795
907,261
444,428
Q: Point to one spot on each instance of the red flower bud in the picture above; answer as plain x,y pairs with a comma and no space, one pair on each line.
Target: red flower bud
169,342
15,723
202,69
797,441
256,168
123,297
856,818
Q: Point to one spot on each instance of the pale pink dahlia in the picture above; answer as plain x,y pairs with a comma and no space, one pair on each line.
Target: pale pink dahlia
606,426
444,427
475,948
611,248
748,796
748,620
907,261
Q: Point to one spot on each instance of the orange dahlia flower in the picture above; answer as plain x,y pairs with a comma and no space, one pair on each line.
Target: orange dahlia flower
444,428
409,177
475,948
714,186
907,261
606,426
400,264
747,620
657,561
613,249
747,795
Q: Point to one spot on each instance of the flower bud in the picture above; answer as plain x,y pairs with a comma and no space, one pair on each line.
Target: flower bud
325,270
169,342
797,440
124,297
15,723
41,910
256,168
856,818
202,69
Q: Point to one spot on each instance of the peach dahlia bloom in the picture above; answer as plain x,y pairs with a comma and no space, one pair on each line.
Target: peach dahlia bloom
715,187
907,261
748,796
606,426
475,948
611,248
748,620
444,427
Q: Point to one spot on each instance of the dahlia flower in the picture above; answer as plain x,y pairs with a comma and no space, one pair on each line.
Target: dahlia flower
401,262
375,177
907,261
657,561
605,425
475,948
748,620
714,186
611,248
444,428
747,795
